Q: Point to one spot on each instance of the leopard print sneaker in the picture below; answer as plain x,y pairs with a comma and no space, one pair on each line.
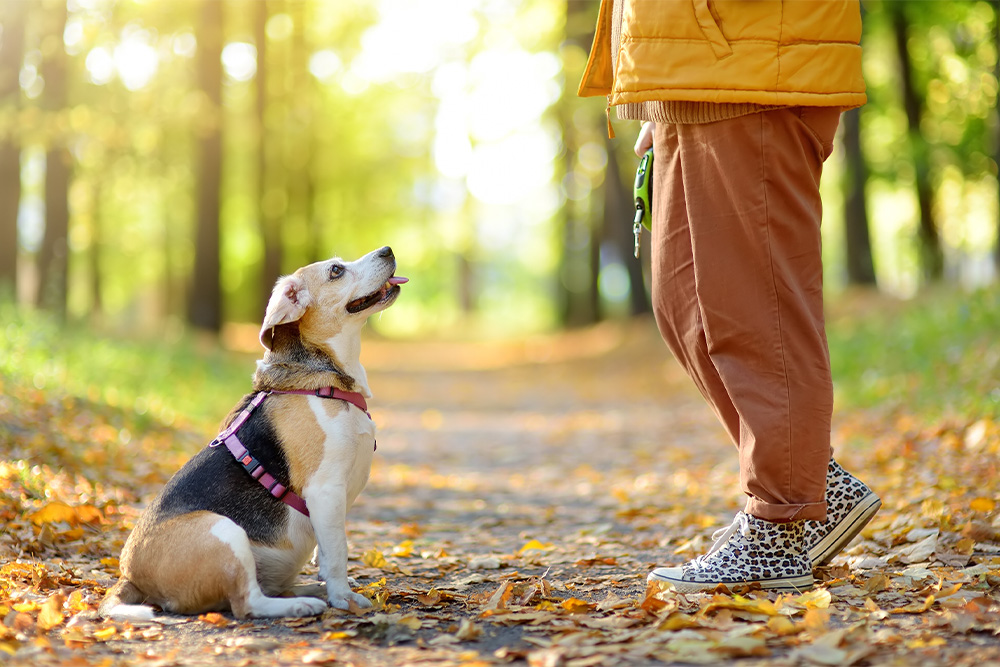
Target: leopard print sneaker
850,505
749,551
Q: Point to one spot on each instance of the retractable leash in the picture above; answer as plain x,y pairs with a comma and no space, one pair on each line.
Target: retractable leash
643,191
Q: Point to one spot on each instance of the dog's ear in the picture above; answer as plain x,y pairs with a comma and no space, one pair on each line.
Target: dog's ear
288,303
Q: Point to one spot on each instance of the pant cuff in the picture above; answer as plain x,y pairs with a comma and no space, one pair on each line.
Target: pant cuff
785,513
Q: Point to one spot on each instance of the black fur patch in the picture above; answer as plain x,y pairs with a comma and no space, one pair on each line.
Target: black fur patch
214,481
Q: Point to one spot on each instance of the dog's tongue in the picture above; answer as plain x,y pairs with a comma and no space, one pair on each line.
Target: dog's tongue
398,280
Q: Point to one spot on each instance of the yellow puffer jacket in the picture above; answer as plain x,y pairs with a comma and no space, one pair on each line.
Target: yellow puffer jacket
769,52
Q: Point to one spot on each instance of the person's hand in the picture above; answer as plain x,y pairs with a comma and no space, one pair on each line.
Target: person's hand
645,140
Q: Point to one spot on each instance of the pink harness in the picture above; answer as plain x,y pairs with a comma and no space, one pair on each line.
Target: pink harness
252,465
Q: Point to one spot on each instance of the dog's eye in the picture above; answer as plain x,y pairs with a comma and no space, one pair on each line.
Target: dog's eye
336,270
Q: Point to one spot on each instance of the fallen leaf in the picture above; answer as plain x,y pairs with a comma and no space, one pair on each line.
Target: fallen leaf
983,504
50,615
374,558
214,618
535,545
577,606
468,631
59,512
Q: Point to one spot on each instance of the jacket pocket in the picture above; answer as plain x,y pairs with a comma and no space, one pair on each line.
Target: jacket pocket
711,30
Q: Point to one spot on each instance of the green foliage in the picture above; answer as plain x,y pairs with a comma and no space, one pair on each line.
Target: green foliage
176,380
935,356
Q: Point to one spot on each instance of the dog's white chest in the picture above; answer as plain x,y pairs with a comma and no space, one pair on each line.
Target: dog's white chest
348,448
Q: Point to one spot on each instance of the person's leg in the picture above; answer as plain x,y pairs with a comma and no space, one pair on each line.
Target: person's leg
738,297
752,196
674,293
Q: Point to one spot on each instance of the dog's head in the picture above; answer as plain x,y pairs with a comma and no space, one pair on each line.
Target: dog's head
327,298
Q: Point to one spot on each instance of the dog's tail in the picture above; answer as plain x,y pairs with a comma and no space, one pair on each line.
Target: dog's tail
120,603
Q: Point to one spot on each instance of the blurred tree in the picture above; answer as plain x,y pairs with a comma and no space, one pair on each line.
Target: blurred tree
298,128
996,128
859,263
268,200
12,26
931,253
619,209
579,298
53,257
205,299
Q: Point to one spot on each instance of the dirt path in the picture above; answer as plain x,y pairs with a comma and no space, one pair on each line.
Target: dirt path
520,494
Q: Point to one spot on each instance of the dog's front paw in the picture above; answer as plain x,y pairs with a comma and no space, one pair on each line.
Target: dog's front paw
343,600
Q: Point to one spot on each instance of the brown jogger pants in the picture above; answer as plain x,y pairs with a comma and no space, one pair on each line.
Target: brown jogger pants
738,291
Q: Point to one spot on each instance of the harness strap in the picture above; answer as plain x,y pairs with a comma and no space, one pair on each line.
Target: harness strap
251,465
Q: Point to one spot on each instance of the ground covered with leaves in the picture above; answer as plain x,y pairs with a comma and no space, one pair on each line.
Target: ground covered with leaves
520,494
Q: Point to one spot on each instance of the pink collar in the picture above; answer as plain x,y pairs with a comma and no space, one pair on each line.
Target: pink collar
252,465
352,397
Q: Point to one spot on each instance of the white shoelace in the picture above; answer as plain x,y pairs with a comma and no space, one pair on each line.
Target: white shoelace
741,523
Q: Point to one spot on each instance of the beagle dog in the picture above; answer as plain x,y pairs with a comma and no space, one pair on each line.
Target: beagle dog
234,526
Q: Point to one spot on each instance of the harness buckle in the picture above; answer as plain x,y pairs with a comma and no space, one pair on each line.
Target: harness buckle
249,463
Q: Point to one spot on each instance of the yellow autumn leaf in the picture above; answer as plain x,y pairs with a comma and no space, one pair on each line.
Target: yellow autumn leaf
915,607
739,603
535,545
410,621
373,586
50,615
783,626
818,598
983,504
816,620
59,512
951,590
404,549
54,512
926,642
106,633
576,606
374,558
214,618
678,621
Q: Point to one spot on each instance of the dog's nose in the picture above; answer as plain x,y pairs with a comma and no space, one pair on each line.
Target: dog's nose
385,252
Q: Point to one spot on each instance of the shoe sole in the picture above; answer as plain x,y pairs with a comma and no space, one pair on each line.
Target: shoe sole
792,584
846,530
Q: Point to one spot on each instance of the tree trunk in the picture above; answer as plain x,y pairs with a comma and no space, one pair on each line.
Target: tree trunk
96,244
205,301
860,267
579,264
11,54
996,145
619,212
269,221
53,258
931,254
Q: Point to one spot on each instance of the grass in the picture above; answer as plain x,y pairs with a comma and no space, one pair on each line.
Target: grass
937,355
155,380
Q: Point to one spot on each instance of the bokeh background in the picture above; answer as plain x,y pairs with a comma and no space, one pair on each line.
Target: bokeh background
163,161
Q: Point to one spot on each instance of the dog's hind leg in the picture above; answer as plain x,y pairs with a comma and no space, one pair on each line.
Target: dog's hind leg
120,603
245,595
